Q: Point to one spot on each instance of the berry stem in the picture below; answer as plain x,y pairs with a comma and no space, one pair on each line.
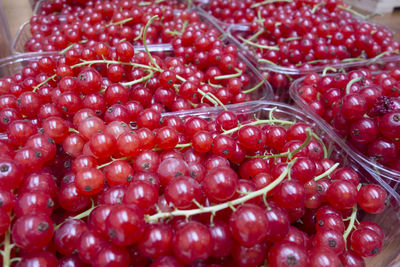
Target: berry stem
112,160
396,51
276,48
82,215
266,2
143,79
254,36
351,83
311,62
263,60
44,82
326,173
212,98
353,217
292,39
213,209
184,25
316,137
72,130
119,22
183,145
91,62
65,50
7,249
355,13
17,259
325,71
229,76
352,59
256,86
258,122
290,154
145,42
316,7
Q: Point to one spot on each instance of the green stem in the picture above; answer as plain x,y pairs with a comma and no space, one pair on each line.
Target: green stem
112,160
276,48
254,36
322,144
72,130
62,52
351,84
145,42
91,62
229,76
82,215
353,217
310,62
119,22
266,2
44,82
258,122
263,60
140,35
325,71
212,98
290,154
316,7
292,39
7,249
179,33
214,85
396,51
349,9
17,259
352,59
214,209
143,79
183,145
327,172
255,87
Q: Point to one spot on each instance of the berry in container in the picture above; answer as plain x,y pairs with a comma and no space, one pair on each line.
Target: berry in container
289,40
361,106
271,116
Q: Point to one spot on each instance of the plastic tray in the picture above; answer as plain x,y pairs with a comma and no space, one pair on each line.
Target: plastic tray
24,34
238,29
13,64
202,8
5,36
391,176
37,4
389,220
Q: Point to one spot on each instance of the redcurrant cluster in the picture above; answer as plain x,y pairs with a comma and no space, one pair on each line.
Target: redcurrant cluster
117,84
362,106
297,32
179,190
60,25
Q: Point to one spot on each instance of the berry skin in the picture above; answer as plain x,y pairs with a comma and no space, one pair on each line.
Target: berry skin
372,198
32,232
192,242
249,225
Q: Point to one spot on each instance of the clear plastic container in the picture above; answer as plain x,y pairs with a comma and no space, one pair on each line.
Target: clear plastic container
37,4
13,64
24,32
203,8
389,220
244,29
5,36
390,176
